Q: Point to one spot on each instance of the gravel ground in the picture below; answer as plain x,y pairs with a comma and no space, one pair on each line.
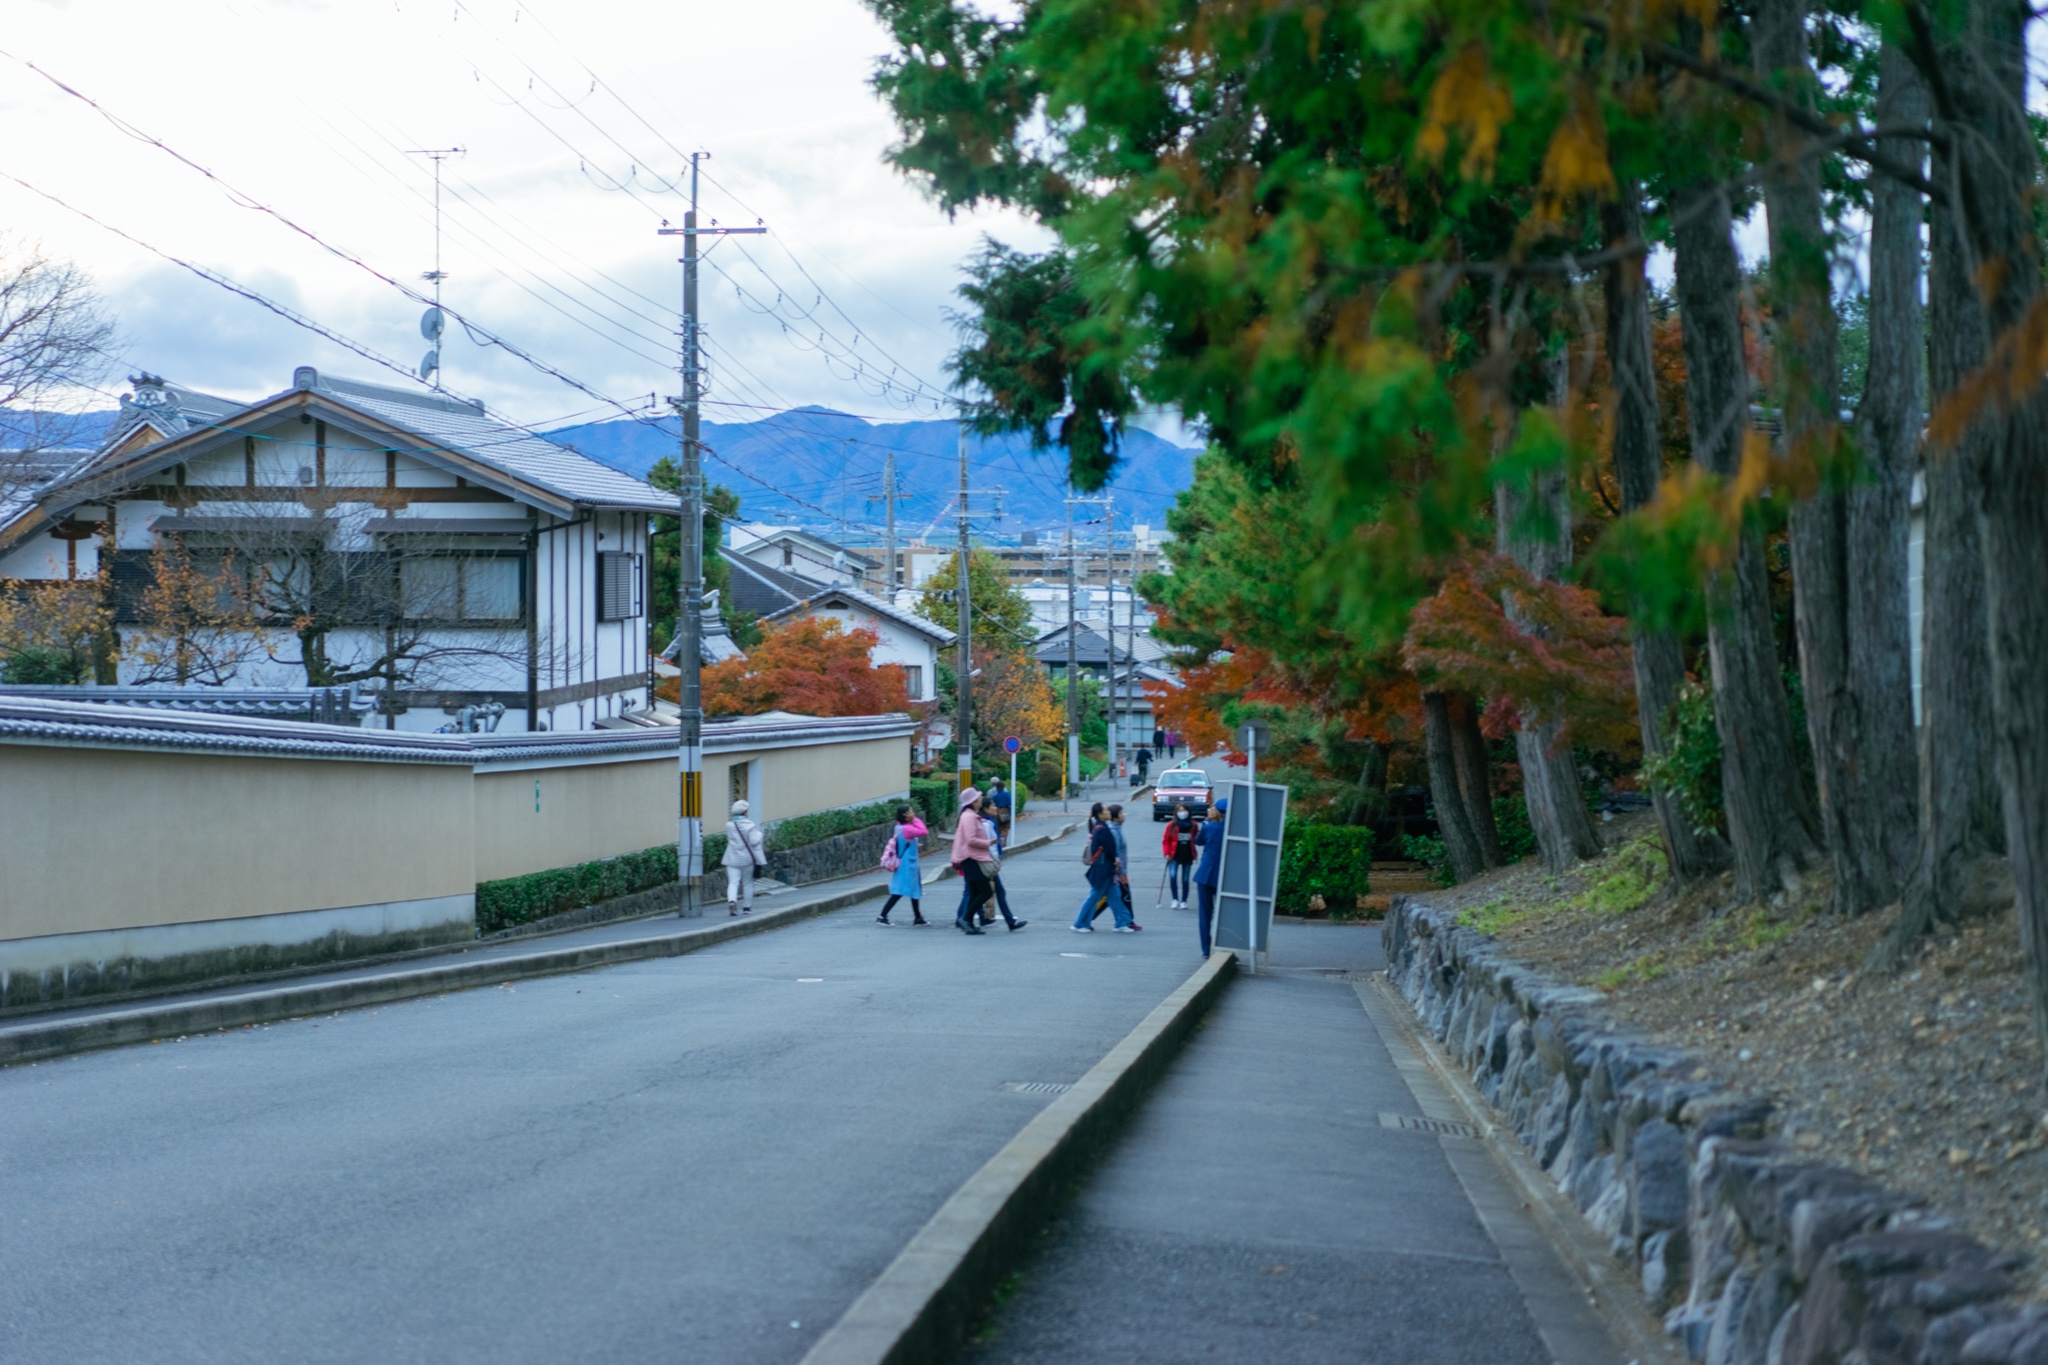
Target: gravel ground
1929,1080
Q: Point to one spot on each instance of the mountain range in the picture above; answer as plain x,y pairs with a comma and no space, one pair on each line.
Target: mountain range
823,469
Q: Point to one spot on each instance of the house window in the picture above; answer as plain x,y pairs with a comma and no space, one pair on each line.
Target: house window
913,680
450,588
618,585
788,556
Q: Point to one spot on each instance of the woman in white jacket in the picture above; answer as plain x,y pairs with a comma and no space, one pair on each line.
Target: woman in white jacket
744,856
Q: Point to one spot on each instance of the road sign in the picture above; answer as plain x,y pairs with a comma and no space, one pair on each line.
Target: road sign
1253,737
1249,872
1012,745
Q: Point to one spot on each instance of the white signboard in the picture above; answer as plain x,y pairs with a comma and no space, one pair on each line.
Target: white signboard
1249,874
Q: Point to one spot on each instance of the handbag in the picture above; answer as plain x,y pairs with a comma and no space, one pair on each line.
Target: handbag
891,860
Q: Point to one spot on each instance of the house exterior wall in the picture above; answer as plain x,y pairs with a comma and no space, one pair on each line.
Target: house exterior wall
895,644
231,863
98,839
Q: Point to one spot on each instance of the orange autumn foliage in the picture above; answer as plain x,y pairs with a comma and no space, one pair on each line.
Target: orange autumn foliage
813,667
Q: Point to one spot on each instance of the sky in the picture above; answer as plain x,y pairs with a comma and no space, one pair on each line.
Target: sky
575,118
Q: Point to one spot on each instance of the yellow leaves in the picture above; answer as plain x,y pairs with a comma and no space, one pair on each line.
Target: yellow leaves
1576,164
1466,100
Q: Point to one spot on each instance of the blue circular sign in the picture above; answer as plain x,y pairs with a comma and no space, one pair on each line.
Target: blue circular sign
1012,745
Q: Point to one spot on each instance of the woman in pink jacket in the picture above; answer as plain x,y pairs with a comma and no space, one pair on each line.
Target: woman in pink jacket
974,860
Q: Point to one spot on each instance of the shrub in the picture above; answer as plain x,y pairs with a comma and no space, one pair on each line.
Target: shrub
1330,861
1690,767
1511,823
522,900
933,797
1429,850
799,830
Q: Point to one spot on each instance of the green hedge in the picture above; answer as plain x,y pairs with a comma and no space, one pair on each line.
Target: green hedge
1326,860
933,796
799,830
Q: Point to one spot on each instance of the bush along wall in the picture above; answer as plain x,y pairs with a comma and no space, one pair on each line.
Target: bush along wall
1330,861
514,901
1752,1252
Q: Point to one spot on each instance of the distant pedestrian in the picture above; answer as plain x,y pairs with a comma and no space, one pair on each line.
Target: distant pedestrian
1102,882
999,795
970,853
1210,840
1158,738
1144,762
906,881
745,855
1178,847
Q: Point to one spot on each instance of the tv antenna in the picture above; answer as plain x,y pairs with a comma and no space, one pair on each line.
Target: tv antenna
433,322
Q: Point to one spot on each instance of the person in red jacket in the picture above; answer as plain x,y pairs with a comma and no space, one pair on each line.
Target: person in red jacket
1178,848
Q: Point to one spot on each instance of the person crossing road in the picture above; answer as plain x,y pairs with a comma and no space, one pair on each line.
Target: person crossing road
1179,848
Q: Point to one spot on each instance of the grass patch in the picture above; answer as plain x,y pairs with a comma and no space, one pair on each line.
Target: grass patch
1640,971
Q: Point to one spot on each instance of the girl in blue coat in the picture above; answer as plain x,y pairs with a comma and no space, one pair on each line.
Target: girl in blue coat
905,881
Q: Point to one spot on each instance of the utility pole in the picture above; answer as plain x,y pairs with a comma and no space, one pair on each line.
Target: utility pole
963,716
1109,629
1073,675
690,557
890,497
433,322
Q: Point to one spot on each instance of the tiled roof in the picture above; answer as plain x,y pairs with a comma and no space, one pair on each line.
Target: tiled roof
559,469
764,590
867,602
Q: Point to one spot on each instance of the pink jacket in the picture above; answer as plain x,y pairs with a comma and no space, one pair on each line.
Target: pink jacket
970,838
913,828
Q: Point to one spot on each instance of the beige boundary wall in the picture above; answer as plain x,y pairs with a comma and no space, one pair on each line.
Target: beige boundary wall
141,847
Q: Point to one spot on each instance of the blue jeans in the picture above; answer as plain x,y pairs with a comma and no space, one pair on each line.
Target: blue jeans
1095,896
1178,875
1207,914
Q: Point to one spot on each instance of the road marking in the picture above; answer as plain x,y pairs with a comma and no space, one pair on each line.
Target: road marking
803,979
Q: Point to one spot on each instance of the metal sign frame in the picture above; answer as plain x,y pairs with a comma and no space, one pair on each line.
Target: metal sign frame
1254,831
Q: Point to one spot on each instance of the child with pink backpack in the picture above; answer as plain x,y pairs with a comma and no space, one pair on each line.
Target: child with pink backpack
899,860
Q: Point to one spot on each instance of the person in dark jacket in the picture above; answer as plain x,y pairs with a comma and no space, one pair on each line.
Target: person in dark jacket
1209,838
1102,883
1179,849
1144,761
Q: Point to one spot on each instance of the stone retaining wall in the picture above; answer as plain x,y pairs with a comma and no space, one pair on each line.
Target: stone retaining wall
843,855
1752,1253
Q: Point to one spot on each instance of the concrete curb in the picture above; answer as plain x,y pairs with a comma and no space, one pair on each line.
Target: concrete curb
37,1040
924,1304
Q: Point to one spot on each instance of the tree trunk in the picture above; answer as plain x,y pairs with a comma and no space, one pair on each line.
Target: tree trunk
1550,782
1770,816
1961,820
1880,520
1475,777
1638,468
1461,843
1977,78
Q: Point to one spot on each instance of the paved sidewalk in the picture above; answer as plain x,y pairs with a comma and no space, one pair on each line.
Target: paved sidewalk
1258,1210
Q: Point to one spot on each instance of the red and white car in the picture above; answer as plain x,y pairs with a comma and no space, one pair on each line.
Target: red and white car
1180,787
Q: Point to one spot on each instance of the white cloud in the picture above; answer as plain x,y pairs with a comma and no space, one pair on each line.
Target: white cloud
311,107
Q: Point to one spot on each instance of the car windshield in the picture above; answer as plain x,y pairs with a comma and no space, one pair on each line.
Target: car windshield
1184,779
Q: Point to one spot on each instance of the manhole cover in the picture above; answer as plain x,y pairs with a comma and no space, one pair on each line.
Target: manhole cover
1440,1127
1037,1087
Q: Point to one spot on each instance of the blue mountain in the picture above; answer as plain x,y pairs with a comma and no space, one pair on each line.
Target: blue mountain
823,469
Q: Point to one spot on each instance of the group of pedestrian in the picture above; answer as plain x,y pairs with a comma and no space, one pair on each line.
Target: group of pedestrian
977,857
1166,742
1193,850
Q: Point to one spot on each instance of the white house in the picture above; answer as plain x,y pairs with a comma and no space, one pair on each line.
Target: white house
398,539
795,550
904,638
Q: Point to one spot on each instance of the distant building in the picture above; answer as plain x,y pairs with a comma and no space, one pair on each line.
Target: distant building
459,564
906,639
795,550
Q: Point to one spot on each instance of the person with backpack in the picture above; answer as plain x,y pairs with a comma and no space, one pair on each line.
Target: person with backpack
899,860
745,855
974,860
1101,859
1209,838
1179,848
1144,761
988,812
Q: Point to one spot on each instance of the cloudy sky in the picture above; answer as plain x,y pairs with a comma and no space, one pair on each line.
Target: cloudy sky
575,117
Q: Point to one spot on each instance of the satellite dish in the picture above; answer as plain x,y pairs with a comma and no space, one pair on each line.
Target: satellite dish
430,363
432,324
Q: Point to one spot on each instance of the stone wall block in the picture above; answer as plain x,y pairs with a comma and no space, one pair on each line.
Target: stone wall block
1754,1257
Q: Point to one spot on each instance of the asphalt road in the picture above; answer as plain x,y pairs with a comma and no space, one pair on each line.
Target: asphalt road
702,1158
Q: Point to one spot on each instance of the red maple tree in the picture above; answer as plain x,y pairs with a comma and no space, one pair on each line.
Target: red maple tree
813,667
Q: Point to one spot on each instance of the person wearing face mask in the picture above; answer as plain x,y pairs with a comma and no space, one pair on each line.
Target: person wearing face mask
1179,849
